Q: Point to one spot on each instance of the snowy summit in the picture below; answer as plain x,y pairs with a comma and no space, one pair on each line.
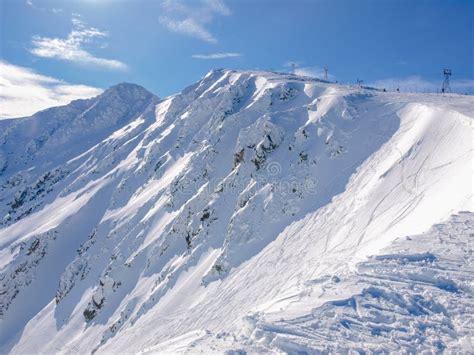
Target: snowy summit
252,212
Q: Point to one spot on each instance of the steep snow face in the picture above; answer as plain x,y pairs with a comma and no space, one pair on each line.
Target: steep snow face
144,224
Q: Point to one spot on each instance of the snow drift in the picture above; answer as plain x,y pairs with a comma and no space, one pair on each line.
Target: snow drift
216,219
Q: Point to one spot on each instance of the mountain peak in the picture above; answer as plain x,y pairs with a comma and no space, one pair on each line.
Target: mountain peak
251,194
127,90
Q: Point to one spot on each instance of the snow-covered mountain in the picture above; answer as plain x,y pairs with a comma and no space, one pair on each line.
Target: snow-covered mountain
254,211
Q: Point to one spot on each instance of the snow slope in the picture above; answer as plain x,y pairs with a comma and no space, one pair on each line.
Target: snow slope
231,215
417,295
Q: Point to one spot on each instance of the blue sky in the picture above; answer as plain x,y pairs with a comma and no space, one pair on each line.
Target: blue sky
166,45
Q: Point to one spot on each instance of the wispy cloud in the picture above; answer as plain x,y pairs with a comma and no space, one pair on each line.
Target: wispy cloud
54,10
72,48
192,20
188,26
24,92
216,55
419,84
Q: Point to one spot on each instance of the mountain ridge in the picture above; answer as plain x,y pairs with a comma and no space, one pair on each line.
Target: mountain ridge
212,207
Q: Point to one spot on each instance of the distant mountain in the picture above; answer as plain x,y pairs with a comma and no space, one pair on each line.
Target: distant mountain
73,128
252,212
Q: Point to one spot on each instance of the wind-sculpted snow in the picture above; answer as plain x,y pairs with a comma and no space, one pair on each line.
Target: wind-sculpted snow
136,221
409,300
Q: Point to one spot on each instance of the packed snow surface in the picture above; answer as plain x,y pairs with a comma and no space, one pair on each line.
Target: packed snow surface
252,212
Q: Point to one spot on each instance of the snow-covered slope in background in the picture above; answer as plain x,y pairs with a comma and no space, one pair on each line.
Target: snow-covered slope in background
215,217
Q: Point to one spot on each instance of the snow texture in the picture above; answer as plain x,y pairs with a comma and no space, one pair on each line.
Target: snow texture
252,212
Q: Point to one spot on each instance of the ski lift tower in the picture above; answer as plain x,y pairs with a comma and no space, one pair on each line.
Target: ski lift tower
446,87
326,74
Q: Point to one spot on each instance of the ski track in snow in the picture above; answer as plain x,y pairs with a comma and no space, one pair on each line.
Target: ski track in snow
254,211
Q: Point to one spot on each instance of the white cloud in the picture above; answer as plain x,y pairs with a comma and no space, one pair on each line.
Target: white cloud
216,55
188,26
54,10
71,48
418,84
218,6
191,19
24,92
